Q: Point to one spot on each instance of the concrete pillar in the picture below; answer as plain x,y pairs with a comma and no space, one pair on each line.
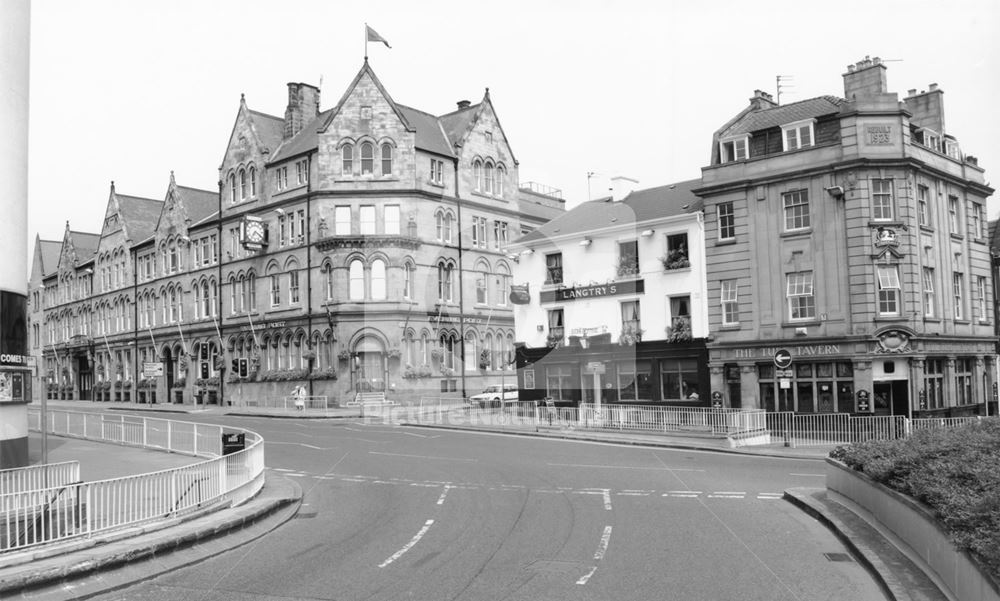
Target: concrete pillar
950,393
749,387
15,377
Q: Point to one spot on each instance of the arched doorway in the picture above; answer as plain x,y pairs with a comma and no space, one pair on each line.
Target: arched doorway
368,366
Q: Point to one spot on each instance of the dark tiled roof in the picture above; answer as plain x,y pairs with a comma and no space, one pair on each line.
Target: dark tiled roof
140,215
430,136
780,115
200,204
305,140
269,128
85,245
455,124
639,206
50,256
994,233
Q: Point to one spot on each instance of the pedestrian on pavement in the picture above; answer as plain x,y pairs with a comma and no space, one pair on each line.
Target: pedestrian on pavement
299,394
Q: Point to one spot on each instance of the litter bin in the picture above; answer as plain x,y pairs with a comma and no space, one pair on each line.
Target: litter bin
233,442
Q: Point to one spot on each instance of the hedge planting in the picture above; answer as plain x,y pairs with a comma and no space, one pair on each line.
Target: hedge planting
954,471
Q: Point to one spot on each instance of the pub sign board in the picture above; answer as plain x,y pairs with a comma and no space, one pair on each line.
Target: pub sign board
561,295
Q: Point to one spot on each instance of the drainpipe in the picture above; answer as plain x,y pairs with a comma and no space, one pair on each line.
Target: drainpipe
461,285
309,263
218,305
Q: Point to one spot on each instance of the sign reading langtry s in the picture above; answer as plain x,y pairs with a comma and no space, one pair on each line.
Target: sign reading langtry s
593,291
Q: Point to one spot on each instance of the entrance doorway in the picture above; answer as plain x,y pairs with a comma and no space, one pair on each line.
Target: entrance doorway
368,366
891,397
85,378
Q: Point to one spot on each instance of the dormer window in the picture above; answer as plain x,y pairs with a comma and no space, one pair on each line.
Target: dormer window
734,149
929,138
797,135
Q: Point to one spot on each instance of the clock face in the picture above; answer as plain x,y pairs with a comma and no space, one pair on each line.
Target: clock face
255,231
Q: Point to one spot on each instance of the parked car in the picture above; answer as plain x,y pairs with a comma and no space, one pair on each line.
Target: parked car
492,395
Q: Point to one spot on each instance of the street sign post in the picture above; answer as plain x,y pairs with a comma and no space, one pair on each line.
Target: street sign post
782,359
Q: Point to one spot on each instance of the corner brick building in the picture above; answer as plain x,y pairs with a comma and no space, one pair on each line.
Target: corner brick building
850,232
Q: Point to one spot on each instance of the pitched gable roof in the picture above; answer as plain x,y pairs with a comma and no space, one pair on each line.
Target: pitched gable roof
139,214
458,123
637,207
430,135
49,256
270,129
85,245
200,204
306,140
780,115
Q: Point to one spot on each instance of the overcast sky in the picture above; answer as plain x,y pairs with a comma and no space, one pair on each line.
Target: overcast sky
130,90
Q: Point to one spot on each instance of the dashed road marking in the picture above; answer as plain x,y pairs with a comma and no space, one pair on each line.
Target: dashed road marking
424,456
444,493
587,576
407,546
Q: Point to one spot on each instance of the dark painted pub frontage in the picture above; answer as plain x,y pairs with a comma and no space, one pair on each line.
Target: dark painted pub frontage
654,372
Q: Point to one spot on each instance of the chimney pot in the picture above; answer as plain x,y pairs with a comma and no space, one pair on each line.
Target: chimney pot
932,87
464,104
911,92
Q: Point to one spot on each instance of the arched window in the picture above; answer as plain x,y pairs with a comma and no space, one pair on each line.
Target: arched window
408,280
386,159
477,172
444,282
378,279
487,346
488,178
214,301
329,282
498,176
482,291
253,182
356,289
243,185
503,284
447,228
471,351
367,158
197,301
347,159
252,291
232,188
206,300
439,225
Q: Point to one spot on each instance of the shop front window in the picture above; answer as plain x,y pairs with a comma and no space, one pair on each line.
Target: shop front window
679,379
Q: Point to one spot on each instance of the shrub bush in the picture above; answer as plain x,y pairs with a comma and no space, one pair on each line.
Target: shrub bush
955,471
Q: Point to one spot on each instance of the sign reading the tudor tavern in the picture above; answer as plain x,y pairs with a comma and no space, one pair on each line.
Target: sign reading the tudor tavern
593,291
796,351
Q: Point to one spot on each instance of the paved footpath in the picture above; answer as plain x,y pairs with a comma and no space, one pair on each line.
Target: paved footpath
91,567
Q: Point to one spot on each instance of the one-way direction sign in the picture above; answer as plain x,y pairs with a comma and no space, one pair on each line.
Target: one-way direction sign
782,359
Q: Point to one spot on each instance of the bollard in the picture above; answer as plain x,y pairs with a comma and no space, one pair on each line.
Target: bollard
788,438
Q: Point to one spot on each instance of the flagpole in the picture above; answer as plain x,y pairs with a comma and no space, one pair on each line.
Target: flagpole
366,42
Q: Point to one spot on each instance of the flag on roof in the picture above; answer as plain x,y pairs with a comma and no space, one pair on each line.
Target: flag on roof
373,36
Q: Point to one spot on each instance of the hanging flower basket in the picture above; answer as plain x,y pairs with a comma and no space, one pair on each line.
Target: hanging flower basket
309,355
344,355
437,354
447,372
393,353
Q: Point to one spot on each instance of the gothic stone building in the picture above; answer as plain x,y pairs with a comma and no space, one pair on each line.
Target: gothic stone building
358,248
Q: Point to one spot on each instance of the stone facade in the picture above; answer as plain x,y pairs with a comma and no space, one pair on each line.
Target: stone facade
863,254
381,268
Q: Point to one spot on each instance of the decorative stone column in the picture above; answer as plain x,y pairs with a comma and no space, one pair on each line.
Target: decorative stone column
749,386
717,381
949,382
918,394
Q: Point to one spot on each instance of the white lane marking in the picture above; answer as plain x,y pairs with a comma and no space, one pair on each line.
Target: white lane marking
424,484
281,469
607,499
587,576
810,475
602,548
769,496
681,495
730,492
626,493
444,493
299,475
726,496
626,467
684,492
422,456
414,434
351,479
406,547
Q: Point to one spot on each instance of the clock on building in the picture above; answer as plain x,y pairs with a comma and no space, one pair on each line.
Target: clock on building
254,232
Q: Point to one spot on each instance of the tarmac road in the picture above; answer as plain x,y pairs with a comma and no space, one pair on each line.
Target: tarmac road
416,513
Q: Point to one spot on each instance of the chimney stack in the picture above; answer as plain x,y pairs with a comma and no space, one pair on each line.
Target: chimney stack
463,104
622,186
762,100
865,79
303,106
927,108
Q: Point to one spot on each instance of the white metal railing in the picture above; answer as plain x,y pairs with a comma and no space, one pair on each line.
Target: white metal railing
652,418
286,403
73,510
34,477
827,429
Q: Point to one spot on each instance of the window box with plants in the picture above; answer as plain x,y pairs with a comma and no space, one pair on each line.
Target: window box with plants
675,259
420,371
631,335
679,330
329,373
628,267
180,382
